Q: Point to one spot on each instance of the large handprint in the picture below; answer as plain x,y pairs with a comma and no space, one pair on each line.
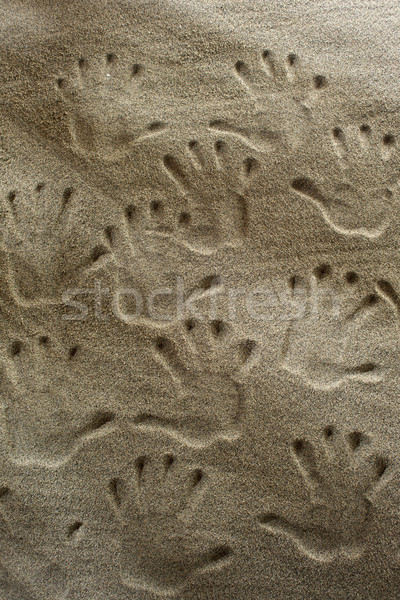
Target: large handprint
361,198
284,93
341,474
161,550
342,328
212,184
102,98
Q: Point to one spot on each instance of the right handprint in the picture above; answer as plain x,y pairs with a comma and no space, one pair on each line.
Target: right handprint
342,475
207,366
285,94
102,98
211,185
342,329
359,199
161,550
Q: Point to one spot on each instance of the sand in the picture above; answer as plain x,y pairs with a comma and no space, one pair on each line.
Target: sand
200,300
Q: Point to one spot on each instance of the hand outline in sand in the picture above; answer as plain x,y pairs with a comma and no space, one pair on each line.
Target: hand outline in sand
284,93
41,427
359,200
206,364
37,228
212,184
46,254
103,106
343,329
342,477
160,549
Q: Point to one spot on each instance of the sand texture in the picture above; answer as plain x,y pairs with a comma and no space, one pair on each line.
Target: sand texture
199,300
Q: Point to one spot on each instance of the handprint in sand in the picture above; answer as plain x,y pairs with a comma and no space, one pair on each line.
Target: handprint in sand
359,194
206,365
342,475
103,98
161,550
284,93
342,330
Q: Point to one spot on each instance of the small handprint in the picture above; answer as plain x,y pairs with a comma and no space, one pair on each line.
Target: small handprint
284,93
342,476
286,77
102,99
37,376
212,185
37,228
161,550
205,211
205,363
339,332
360,200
